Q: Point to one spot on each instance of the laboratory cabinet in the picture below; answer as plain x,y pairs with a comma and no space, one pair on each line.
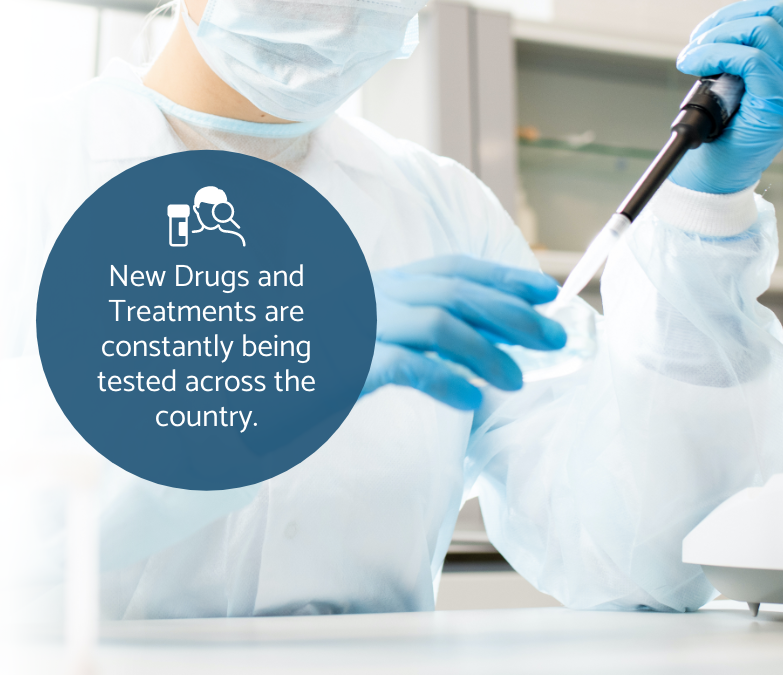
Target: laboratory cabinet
559,116
588,124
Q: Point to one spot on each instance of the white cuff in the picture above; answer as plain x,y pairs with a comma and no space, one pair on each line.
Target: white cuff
705,214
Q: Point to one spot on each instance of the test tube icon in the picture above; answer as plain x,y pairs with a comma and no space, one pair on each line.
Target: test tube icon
178,224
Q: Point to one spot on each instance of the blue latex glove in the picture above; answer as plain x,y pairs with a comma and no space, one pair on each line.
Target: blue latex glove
457,307
744,39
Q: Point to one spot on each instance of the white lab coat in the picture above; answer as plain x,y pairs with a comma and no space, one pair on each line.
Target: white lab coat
587,483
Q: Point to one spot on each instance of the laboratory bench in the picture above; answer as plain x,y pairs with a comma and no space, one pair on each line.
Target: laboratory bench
722,638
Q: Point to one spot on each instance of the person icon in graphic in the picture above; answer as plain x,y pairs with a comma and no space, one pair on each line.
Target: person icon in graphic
221,213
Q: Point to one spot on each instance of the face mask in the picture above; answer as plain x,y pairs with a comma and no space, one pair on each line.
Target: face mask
301,59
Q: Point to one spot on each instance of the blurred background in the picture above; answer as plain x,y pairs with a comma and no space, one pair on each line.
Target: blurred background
558,105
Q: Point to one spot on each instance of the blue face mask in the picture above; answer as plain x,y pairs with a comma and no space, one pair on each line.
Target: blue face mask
301,59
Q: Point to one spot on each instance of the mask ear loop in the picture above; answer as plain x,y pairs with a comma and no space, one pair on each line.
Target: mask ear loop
183,12
145,38
411,39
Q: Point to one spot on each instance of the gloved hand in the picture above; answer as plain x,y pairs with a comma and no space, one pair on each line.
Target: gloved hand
457,307
744,39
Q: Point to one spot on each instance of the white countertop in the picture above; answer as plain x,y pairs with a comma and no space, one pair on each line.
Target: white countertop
724,638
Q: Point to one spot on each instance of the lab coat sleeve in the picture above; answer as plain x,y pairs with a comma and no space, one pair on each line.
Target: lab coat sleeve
589,483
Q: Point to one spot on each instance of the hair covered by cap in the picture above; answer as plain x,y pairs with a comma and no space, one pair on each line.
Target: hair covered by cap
210,195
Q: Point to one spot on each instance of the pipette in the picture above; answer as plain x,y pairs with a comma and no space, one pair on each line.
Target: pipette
704,113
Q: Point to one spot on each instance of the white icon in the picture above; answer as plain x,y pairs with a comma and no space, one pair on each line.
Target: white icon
178,224
219,201
221,213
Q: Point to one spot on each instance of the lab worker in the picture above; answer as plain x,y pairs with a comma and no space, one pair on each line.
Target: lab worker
587,482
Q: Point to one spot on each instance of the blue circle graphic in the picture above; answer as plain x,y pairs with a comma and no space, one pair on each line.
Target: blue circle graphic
206,320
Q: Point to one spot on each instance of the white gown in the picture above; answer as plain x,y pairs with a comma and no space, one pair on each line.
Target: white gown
587,483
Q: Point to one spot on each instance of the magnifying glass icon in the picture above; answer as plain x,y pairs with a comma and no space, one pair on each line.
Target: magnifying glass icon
230,218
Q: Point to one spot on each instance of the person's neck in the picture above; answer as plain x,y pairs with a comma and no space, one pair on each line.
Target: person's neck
182,76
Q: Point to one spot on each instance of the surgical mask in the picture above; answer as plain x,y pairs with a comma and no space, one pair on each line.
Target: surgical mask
301,59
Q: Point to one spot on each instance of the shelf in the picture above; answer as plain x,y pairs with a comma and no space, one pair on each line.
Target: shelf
589,148
572,189
471,541
603,150
530,31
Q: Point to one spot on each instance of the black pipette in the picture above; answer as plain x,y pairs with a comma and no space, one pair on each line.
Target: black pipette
704,113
